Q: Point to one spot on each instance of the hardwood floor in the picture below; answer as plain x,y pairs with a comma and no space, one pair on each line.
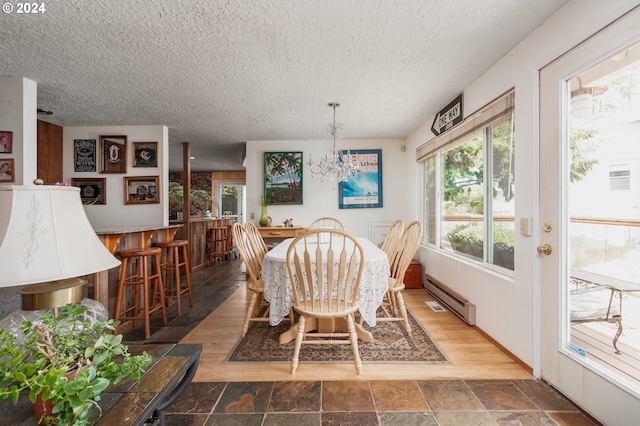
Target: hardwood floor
471,355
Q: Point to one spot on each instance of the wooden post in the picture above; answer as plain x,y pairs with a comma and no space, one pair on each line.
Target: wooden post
186,198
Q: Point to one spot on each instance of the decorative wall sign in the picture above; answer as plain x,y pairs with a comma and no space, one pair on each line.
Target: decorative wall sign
7,170
365,189
283,177
84,155
448,117
113,153
141,189
145,154
6,142
92,191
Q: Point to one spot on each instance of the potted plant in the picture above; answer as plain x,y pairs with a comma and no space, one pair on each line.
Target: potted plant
201,200
65,362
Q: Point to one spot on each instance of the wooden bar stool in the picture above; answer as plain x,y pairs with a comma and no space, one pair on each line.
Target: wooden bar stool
171,265
218,243
142,276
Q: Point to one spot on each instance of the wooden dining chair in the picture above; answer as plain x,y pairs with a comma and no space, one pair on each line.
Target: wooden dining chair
392,239
253,262
256,239
325,278
393,307
326,222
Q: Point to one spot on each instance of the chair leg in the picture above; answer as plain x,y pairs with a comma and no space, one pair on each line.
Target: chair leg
252,306
187,274
296,350
353,337
403,312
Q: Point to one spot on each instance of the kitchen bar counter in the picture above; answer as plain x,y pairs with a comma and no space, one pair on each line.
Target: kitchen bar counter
124,237
198,239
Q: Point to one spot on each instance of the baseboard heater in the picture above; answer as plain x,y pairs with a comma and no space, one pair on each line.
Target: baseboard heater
456,303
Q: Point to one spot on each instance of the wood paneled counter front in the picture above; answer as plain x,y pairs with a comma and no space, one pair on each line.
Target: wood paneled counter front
198,239
123,237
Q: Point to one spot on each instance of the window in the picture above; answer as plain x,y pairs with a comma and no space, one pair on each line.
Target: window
469,187
620,179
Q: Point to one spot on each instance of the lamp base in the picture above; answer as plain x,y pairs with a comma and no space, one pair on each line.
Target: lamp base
52,294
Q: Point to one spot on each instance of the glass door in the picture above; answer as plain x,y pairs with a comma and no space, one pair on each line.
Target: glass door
231,201
590,223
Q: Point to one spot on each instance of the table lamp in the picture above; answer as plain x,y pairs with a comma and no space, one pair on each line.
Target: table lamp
46,244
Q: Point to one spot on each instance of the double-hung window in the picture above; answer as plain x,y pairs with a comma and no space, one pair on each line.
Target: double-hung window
469,186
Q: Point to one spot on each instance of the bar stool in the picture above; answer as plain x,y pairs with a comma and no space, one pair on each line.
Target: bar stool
141,277
218,243
171,265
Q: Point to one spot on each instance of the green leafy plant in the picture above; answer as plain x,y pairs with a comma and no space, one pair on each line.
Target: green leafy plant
201,200
68,360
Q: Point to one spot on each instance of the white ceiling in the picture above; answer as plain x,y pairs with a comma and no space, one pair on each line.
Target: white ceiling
220,72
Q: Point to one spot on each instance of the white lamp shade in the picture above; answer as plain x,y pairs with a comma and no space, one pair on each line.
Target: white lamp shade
45,236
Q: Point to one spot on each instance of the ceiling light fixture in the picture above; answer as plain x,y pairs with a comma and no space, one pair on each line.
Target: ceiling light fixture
44,111
335,165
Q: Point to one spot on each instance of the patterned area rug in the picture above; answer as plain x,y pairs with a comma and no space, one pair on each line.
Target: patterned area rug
391,344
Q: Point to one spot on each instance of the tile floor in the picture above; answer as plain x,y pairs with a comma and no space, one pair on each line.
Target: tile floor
433,402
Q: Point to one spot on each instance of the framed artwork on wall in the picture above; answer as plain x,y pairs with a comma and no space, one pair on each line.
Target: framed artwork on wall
84,155
6,142
364,190
141,189
145,154
7,170
92,191
113,154
283,177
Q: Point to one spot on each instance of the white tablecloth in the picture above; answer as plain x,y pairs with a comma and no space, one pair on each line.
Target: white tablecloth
277,287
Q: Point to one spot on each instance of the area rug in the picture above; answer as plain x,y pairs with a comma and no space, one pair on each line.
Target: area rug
391,344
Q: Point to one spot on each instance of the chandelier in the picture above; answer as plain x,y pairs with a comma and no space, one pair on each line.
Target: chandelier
334,165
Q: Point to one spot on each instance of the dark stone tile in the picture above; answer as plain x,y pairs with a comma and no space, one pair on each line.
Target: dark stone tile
245,397
500,395
521,418
407,419
346,396
186,419
235,420
571,419
449,395
349,419
544,396
292,419
295,397
398,395
200,397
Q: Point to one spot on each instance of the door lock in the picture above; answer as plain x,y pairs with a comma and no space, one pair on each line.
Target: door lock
544,249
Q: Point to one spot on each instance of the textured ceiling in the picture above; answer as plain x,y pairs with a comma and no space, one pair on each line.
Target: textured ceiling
218,73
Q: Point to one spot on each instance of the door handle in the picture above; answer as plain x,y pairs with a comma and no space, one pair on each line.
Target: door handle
544,249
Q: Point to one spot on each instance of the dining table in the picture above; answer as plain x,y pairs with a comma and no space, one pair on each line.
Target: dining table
279,292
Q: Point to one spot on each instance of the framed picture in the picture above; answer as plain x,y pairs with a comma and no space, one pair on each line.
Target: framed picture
283,177
141,189
6,142
113,154
92,191
84,155
7,170
364,190
145,154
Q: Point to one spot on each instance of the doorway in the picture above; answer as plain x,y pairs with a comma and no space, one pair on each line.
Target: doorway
231,200
590,217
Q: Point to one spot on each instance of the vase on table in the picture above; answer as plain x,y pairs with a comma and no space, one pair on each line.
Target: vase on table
264,218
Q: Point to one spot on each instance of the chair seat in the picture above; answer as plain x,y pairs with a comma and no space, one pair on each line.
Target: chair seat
311,309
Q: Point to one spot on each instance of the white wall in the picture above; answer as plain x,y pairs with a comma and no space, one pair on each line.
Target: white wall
18,107
115,212
319,198
508,309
